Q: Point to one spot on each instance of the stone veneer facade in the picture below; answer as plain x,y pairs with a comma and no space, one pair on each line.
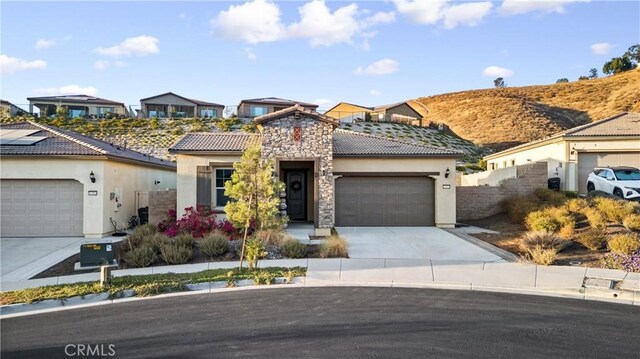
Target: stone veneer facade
316,142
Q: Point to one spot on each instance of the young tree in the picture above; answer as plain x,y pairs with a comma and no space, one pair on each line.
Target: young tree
593,73
254,194
562,80
499,82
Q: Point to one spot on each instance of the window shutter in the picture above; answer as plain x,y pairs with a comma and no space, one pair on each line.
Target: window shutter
203,186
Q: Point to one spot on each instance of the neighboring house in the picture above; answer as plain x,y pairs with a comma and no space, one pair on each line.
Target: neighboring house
58,183
12,110
572,154
333,177
77,106
170,105
401,112
261,106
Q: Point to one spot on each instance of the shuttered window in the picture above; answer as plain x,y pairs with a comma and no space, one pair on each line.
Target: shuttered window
203,186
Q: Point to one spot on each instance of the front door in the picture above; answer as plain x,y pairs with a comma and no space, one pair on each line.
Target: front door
296,194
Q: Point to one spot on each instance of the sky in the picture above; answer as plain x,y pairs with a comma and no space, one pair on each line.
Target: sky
364,52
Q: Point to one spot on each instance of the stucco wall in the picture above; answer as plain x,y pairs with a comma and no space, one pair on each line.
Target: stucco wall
186,176
109,175
445,199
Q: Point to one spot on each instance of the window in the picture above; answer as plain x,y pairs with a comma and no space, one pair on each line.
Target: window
104,110
513,163
627,175
208,112
258,110
492,166
222,175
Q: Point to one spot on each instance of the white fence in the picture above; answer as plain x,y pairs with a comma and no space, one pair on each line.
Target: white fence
488,178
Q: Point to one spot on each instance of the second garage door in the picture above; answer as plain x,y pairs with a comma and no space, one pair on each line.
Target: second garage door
40,208
384,201
587,161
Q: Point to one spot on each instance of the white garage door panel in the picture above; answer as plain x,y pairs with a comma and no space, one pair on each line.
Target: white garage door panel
587,161
40,208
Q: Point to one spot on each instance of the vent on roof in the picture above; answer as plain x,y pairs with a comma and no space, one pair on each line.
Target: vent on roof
15,137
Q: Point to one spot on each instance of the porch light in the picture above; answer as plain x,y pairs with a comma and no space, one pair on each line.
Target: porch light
156,182
447,172
92,177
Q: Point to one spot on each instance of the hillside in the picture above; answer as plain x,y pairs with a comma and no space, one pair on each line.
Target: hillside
500,118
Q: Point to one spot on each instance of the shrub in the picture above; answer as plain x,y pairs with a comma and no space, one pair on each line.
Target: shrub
293,249
518,207
184,240
576,205
596,219
541,255
253,252
629,263
624,243
272,237
614,210
142,256
263,278
542,220
541,239
215,244
144,230
334,246
567,231
175,254
592,239
550,196
632,222
156,240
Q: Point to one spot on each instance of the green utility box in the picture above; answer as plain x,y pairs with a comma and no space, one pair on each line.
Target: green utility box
96,254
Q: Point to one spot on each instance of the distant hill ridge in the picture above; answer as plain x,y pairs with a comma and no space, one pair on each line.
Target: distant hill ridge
504,117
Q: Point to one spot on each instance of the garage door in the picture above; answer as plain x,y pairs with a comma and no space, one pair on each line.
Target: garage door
40,208
587,161
385,201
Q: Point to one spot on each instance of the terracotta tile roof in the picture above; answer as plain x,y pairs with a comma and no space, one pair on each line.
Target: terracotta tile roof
349,143
624,124
76,99
296,109
61,142
215,141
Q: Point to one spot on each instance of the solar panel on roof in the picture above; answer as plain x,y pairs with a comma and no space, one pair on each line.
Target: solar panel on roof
15,137
9,133
26,141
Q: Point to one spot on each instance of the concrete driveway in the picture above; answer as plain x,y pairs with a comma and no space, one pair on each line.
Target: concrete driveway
412,243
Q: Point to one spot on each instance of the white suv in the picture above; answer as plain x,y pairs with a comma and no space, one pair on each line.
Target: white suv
622,182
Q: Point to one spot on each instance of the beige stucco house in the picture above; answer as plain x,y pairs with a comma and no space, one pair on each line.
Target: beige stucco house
255,107
571,155
77,106
169,104
333,177
58,183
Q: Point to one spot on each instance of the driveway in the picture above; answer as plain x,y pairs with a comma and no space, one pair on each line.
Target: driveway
412,243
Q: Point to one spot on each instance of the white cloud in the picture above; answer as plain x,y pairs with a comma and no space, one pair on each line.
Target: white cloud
601,48
260,21
250,54
374,92
101,65
252,22
380,67
322,101
468,14
9,65
44,44
324,28
435,11
182,16
516,7
67,90
497,71
134,46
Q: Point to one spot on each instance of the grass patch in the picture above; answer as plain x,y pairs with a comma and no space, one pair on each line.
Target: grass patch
144,285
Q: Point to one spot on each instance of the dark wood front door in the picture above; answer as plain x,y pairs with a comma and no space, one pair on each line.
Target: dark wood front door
296,181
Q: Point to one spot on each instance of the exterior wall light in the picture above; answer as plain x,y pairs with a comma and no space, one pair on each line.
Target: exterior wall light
156,182
92,177
447,172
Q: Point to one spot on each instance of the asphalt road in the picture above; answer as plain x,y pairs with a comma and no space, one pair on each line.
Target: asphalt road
334,323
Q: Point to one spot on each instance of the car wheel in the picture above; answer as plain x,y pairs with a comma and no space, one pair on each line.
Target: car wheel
590,187
618,193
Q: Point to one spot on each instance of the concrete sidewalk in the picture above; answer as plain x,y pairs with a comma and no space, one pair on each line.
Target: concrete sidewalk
574,282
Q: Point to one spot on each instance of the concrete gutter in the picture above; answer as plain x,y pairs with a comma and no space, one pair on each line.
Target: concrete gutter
557,281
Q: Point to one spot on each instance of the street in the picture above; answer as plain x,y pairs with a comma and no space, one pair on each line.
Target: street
332,323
